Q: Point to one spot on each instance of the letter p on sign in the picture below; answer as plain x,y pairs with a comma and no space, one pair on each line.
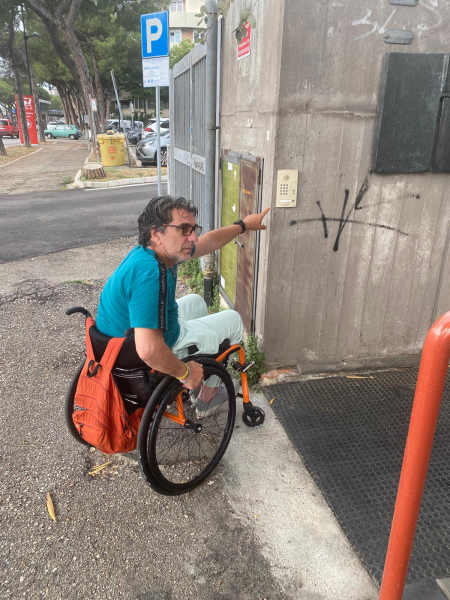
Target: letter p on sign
155,35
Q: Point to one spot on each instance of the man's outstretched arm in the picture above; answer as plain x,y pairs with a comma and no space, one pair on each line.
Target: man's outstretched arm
213,240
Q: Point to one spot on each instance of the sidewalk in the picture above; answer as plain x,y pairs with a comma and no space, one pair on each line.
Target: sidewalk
258,530
48,169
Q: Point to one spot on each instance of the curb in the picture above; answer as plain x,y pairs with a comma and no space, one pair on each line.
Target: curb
115,183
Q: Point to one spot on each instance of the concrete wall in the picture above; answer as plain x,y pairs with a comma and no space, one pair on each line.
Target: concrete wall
372,292
365,289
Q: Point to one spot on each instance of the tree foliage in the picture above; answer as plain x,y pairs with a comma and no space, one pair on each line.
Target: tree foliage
179,51
223,7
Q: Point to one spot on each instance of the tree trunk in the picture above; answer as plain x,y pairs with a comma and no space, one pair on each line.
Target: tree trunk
93,171
80,111
73,114
2,147
98,86
82,67
62,95
37,108
18,81
107,105
76,63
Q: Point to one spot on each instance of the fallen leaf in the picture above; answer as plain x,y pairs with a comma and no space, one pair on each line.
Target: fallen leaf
98,468
50,507
219,583
271,400
359,377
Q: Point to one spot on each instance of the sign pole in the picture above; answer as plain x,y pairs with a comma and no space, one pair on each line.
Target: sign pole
158,138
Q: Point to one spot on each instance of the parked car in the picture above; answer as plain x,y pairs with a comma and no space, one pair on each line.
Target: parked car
7,128
146,149
66,131
163,124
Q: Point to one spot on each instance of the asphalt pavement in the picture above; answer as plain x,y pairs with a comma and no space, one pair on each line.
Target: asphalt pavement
42,222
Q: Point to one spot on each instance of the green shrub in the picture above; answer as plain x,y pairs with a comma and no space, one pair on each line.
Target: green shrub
253,352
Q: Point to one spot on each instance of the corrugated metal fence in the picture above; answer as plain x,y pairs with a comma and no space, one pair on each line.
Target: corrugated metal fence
187,122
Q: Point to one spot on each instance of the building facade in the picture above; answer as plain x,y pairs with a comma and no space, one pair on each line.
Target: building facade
183,24
358,270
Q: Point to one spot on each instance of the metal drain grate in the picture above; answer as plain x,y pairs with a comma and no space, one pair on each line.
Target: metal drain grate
351,436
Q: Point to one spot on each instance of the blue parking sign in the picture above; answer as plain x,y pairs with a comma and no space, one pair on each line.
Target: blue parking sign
155,35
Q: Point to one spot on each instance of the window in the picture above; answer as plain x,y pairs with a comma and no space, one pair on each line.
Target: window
60,127
176,6
198,36
175,37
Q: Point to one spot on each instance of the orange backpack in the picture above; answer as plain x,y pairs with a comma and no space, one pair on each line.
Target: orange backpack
99,412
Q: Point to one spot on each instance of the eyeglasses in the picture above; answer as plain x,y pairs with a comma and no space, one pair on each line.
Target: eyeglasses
186,230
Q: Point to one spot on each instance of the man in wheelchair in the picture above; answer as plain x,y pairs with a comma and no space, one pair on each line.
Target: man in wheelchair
140,294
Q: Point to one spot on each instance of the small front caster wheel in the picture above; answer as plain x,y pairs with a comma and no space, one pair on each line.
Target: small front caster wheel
253,416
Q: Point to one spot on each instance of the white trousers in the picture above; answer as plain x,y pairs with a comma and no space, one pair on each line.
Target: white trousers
205,331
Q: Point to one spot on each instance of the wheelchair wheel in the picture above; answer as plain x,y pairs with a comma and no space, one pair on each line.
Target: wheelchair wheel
69,404
178,457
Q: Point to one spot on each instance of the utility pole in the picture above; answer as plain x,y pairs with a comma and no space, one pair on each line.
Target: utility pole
208,261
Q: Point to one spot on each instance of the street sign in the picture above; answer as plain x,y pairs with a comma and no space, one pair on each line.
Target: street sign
30,118
155,71
244,46
155,35
93,104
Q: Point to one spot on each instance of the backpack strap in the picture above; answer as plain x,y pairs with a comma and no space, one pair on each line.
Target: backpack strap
109,356
111,352
89,349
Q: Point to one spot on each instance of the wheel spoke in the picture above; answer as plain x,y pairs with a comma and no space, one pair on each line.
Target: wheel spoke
181,457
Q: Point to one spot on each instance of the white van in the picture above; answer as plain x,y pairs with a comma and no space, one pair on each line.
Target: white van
114,123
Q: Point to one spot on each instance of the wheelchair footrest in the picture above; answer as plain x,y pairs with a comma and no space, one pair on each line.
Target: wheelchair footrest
243,368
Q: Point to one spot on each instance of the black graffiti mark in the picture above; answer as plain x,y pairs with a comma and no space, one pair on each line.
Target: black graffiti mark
356,206
362,191
351,221
324,220
343,222
346,219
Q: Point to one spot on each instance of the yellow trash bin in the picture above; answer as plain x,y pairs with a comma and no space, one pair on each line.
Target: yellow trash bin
111,148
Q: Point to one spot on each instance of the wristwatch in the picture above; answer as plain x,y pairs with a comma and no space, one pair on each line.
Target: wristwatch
241,223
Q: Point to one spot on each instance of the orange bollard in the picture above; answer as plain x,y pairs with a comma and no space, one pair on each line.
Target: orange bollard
422,427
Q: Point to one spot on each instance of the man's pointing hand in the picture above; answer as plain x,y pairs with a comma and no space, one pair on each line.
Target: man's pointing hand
254,222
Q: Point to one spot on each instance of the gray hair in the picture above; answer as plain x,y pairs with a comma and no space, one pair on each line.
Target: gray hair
158,212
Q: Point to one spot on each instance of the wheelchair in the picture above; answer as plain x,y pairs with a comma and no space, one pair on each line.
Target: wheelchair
181,438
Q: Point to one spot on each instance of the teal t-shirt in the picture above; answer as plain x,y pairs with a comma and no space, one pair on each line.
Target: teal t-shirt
140,293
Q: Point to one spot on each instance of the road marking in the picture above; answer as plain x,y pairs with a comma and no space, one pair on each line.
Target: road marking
118,187
20,158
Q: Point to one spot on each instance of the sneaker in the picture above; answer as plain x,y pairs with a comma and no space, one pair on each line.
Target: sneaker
209,399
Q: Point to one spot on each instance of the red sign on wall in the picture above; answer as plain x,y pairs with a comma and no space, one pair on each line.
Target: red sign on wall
244,46
31,119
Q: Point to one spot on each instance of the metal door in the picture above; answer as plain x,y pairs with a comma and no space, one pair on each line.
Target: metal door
241,193
246,242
